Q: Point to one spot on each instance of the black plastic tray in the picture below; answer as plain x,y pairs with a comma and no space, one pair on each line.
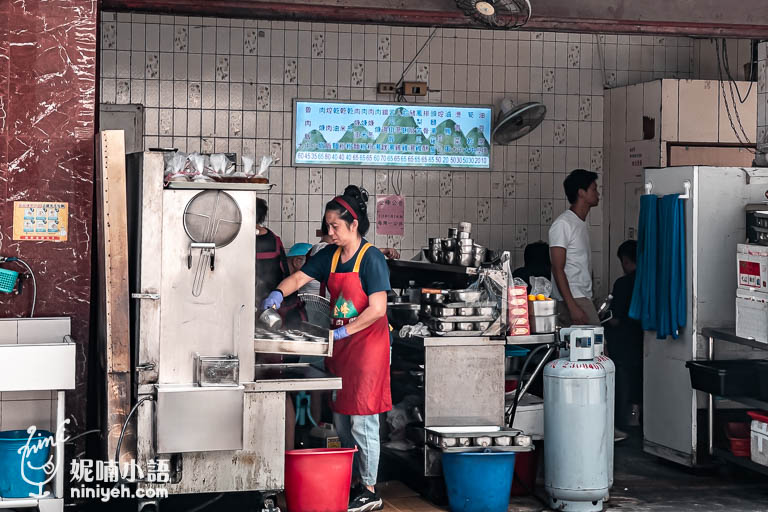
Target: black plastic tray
725,378
762,380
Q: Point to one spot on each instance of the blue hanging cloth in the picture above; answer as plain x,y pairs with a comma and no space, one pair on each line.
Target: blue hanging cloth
643,306
671,305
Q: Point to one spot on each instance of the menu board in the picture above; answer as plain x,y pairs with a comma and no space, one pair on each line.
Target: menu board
40,221
335,134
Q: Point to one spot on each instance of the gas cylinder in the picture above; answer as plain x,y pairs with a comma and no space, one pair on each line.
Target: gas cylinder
610,382
575,408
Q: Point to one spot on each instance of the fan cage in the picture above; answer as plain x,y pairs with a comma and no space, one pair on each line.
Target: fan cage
510,14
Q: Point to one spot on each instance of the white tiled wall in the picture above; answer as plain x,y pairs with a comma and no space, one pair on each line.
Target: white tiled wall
762,92
226,85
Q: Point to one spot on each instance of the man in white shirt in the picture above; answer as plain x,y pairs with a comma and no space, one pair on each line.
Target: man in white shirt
570,251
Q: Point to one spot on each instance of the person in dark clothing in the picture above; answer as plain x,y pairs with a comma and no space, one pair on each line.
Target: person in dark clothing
271,262
625,340
536,263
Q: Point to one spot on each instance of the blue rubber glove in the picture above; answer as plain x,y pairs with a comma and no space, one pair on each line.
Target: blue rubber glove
274,299
340,333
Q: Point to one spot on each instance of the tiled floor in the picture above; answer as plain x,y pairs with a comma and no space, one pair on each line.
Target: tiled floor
642,483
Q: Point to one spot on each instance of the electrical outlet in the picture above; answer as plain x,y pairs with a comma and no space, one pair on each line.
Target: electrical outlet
386,88
414,89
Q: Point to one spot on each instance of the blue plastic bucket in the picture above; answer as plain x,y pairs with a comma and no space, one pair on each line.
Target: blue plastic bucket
479,481
12,484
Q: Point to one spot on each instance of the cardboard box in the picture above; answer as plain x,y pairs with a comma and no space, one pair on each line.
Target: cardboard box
517,311
752,315
752,267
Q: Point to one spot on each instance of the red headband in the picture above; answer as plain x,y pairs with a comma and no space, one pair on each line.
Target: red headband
345,204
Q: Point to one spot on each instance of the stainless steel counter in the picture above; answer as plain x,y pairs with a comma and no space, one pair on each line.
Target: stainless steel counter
453,341
291,377
531,339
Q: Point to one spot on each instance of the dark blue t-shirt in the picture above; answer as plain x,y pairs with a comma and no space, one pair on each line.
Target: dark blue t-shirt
374,273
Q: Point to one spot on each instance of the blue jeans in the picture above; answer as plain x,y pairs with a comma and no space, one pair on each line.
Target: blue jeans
363,432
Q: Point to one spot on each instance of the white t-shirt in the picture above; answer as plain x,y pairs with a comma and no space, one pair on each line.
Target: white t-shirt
571,233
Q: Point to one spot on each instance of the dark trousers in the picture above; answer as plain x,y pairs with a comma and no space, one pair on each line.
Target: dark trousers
629,389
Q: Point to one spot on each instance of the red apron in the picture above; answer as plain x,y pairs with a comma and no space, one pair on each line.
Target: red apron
362,359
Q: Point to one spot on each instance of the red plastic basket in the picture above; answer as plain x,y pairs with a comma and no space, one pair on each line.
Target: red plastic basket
759,416
738,435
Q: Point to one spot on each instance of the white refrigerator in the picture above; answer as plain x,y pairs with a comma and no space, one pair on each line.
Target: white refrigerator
674,415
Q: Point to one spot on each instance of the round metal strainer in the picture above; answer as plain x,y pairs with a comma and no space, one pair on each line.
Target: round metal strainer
212,216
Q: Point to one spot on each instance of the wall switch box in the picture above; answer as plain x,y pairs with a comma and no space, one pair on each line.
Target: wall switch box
414,89
386,88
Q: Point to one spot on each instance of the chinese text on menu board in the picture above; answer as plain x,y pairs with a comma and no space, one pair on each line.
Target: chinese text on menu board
397,135
40,221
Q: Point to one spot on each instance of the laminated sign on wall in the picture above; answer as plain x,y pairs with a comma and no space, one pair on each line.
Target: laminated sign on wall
40,221
390,215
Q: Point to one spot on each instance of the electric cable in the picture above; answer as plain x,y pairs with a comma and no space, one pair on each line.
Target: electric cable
721,87
731,85
408,67
34,283
520,382
207,503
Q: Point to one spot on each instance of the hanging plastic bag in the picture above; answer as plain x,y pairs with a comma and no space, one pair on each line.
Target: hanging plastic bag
175,167
218,164
247,169
196,167
266,161
541,286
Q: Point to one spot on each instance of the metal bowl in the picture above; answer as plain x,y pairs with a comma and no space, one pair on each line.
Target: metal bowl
448,244
403,314
449,258
453,232
435,255
466,259
465,295
465,226
443,311
466,242
437,298
464,235
444,326
465,311
435,243
464,326
483,441
481,326
426,309
487,311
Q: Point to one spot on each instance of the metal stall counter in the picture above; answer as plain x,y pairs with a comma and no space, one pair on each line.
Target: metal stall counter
203,404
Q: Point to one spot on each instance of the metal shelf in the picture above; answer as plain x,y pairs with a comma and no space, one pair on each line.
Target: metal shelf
729,334
215,185
745,400
744,462
532,339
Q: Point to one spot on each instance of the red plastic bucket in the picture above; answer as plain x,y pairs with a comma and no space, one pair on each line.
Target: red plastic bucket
318,479
526,469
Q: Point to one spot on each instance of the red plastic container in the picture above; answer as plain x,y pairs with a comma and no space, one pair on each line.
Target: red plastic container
318,479
526,469
759,416
738,435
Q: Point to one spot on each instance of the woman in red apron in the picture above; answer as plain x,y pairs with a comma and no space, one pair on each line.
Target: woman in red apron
357,277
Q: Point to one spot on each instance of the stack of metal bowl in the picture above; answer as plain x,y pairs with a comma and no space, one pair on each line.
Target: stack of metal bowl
457,248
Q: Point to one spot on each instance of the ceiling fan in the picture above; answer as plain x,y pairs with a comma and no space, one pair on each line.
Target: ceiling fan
500,14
